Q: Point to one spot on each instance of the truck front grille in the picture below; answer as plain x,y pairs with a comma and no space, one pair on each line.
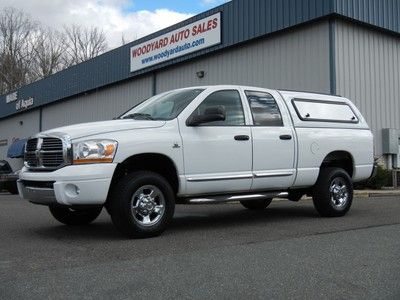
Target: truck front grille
45,153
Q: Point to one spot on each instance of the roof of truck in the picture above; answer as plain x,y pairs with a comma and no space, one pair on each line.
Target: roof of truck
288,93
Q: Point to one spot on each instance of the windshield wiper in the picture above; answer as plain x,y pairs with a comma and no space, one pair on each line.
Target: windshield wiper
138,116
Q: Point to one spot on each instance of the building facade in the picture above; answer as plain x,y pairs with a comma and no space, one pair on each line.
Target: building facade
345,47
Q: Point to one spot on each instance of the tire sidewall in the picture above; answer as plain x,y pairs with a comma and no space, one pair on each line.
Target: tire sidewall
124,211
322,197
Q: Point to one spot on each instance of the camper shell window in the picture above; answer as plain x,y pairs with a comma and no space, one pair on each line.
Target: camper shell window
324,111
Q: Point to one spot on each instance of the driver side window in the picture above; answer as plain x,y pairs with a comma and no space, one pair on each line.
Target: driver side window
230,101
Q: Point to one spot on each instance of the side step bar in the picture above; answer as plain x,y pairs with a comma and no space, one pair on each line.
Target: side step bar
230,198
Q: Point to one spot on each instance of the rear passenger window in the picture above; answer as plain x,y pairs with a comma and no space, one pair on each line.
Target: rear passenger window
324,111
264,109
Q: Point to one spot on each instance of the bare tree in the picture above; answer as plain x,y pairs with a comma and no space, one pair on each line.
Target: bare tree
30,51
82,44
48,50
16,30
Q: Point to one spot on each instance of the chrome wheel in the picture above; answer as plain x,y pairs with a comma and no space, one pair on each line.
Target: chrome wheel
339,194
148,205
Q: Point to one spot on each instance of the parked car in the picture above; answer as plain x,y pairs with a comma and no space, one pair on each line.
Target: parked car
201,144
8,178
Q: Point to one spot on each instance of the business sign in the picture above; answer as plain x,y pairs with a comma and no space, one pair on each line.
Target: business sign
12,97
191,38
20,104
24,103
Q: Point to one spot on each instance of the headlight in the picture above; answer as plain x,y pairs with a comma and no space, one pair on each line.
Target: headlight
94,151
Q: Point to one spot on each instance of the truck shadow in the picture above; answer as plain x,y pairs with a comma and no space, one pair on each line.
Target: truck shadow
240,217
186,219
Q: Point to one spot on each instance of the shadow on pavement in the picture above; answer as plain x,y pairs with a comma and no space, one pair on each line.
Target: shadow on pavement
186,219
240,217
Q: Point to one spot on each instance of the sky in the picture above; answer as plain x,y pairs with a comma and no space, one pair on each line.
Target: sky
131,19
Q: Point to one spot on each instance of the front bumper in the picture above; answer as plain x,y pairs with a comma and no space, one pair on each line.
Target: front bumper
71,185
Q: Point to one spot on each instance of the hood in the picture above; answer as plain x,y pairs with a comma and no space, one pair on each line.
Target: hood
93,128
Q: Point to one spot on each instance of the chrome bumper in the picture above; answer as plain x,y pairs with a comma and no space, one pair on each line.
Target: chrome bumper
37,195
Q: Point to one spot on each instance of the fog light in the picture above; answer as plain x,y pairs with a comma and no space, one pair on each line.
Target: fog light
71,190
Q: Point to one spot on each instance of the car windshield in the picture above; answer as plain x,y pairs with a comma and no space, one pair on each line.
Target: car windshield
166,106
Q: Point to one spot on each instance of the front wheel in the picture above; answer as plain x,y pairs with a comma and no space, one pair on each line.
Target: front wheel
333,192
142,204
257,204
69,216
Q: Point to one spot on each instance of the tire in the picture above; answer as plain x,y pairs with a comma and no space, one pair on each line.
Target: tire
12,188
257,204
69,216
333,192
142,204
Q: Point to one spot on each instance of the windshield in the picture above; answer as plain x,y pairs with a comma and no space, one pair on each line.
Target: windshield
166,106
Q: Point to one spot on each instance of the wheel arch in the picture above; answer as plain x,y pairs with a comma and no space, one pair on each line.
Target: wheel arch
339,159
155,162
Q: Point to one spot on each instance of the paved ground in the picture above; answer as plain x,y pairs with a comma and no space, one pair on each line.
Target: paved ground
213,251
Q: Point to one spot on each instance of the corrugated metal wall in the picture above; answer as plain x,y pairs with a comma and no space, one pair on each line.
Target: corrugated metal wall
102,105
368,72
381,13
11,129
298,59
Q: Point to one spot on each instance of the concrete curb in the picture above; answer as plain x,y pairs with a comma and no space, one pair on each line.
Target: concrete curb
366,194
376,193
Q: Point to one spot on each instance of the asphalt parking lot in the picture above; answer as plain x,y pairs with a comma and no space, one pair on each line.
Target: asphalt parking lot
210,251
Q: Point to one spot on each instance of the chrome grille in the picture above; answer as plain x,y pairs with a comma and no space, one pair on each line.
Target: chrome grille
44,153
52,144
31,159
31,145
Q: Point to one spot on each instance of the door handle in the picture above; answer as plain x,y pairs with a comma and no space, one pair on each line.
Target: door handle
285,137
242,137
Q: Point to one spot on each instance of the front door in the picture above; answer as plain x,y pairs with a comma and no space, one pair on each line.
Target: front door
218,155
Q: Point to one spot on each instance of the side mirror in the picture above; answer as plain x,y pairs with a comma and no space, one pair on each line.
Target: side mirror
211,114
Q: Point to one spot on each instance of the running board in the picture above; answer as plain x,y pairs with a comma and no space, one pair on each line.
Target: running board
230,198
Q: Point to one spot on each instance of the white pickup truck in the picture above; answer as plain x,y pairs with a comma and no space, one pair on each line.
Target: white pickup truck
201,144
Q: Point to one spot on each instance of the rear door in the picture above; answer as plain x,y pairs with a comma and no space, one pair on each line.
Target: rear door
273,141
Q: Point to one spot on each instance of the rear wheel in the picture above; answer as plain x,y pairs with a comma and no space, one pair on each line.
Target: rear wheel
142,204
333,192
257,204
71,216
